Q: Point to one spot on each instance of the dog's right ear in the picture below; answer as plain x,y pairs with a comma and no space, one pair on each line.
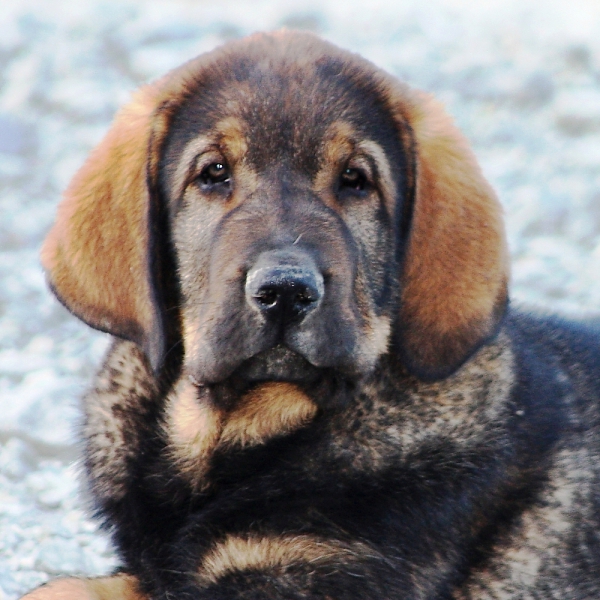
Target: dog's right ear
97,254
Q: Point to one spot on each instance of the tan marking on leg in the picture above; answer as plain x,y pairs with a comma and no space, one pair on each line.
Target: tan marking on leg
272,409
237,553
119,587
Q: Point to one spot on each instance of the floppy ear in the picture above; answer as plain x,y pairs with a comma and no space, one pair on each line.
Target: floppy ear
97,253
455,268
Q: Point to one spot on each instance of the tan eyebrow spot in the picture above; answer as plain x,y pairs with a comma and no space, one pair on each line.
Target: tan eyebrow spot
386,181
231,135
339,144
342,143
227,136
194,148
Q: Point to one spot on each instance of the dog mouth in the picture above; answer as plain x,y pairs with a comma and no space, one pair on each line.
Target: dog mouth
328,387
278,363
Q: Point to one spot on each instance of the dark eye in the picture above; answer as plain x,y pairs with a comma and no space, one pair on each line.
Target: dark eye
353,180
216,173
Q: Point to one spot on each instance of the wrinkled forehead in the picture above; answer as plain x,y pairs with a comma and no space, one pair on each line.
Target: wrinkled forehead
284,111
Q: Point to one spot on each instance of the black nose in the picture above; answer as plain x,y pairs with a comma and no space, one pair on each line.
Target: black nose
284,284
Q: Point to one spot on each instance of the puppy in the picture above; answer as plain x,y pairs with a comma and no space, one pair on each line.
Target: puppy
316,389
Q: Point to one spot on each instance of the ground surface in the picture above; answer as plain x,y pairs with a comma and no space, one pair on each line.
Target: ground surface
521,78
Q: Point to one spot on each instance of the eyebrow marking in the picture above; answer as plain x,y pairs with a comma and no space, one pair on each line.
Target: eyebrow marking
187,162
384,170
343,143
226,137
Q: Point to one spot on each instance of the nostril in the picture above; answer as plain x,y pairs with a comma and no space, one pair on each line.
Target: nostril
266,297
306,297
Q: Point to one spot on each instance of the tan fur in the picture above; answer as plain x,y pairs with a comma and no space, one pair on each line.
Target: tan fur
237,553
119,587
272,409
195,428
103,216
375,151
230,132
227,136
456,268
343,143
339,144
376,340
187,166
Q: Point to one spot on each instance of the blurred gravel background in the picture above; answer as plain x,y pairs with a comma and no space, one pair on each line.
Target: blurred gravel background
522,79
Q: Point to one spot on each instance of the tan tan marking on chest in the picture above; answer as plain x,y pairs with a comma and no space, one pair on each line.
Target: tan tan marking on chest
195,428
272,409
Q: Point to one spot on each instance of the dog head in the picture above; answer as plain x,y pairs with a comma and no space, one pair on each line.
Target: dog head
286,210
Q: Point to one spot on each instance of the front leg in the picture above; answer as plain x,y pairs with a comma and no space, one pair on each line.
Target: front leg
290,567
117,587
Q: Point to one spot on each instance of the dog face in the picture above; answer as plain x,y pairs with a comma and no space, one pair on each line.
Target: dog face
288,212
284,205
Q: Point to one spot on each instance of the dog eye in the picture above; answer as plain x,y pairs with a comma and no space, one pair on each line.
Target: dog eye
353,180
216,173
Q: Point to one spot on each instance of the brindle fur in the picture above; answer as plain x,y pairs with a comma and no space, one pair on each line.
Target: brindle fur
401,446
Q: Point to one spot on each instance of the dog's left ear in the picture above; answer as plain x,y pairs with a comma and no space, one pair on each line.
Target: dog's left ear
97,254
455,266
